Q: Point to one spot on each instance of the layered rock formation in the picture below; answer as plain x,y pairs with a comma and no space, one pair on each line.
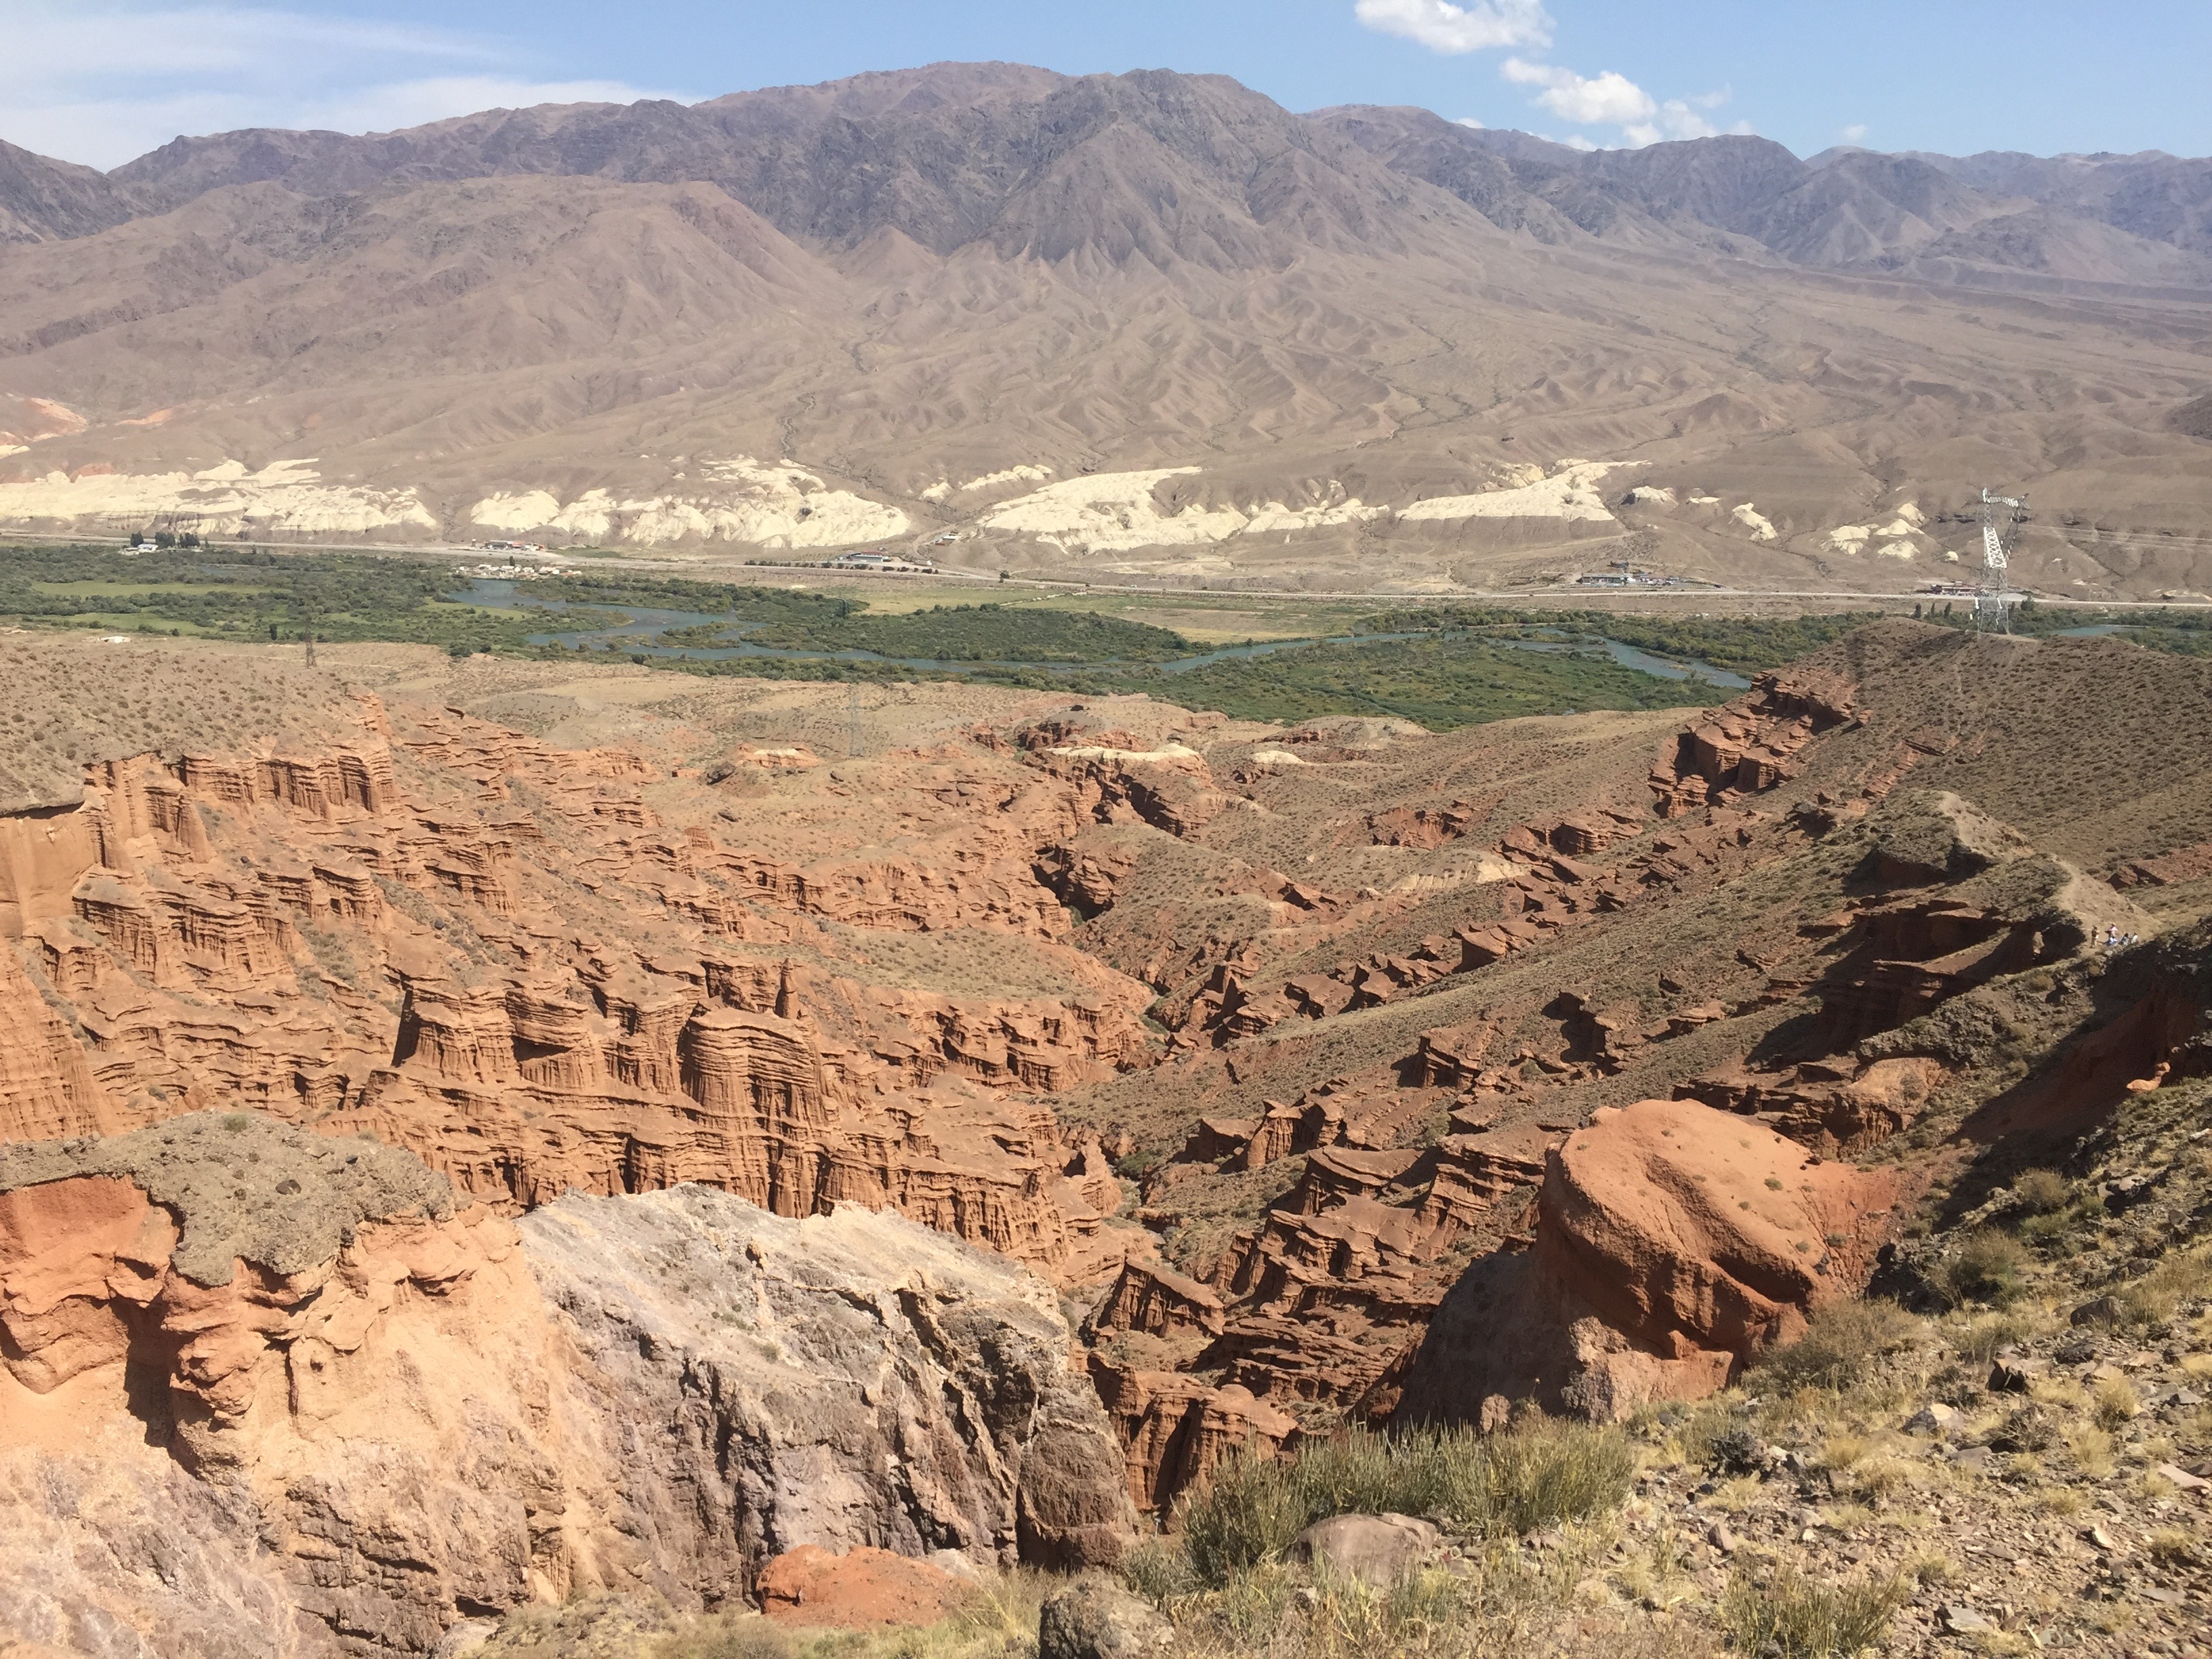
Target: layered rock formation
446,964
1780,954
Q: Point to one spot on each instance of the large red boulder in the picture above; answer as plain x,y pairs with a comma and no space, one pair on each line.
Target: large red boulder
1674,1243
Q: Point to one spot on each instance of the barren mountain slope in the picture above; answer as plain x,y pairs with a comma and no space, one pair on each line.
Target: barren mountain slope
43,199
2106,220
1149,324
2152,195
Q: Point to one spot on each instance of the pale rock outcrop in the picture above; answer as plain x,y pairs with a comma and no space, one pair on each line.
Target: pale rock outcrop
846,1380
404,1413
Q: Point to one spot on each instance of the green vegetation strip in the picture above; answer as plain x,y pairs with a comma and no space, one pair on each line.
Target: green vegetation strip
1461,665
1441,684
243,594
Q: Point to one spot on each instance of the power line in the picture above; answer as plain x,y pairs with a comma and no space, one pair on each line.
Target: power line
2001,518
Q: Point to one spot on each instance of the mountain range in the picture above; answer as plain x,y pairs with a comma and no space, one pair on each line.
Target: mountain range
1136,324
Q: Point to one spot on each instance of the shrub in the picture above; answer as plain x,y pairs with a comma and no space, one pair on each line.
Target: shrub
1548,1474
1987,1267
1541,1475
1157,1570
1735,1452
237,1122
742,1636
2062,1231
1247,1514
1793,1616
2041,1191
1839,1346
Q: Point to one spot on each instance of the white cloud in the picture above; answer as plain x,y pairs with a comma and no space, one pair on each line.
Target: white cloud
1478,26
1611,99
1608,100
1675,119
1856,133
1470,121
103,81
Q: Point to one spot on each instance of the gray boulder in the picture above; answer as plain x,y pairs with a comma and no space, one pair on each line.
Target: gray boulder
1098,1618
1376,1549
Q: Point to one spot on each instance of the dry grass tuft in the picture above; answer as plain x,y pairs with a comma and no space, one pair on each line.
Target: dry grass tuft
2117,1404
1792,1616
2039,1192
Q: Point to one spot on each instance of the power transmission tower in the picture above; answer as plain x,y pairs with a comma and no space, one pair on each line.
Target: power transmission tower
2001,518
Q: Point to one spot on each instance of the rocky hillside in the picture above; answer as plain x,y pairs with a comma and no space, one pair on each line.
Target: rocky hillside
478,1135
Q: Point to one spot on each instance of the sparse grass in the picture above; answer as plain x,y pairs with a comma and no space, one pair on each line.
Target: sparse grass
1792,1615
1736,1496
1159,1570
1987,1267
1934,1569
742,1636
1500,1486
1879,1477
1839,1346
1844,1451
2093,1451
2062,1392
2175,1546
2178,1277
1979,1340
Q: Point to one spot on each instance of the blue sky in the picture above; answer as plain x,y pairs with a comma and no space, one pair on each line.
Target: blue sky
101,81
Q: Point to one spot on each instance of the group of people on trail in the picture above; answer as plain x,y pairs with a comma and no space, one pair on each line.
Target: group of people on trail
2117,940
